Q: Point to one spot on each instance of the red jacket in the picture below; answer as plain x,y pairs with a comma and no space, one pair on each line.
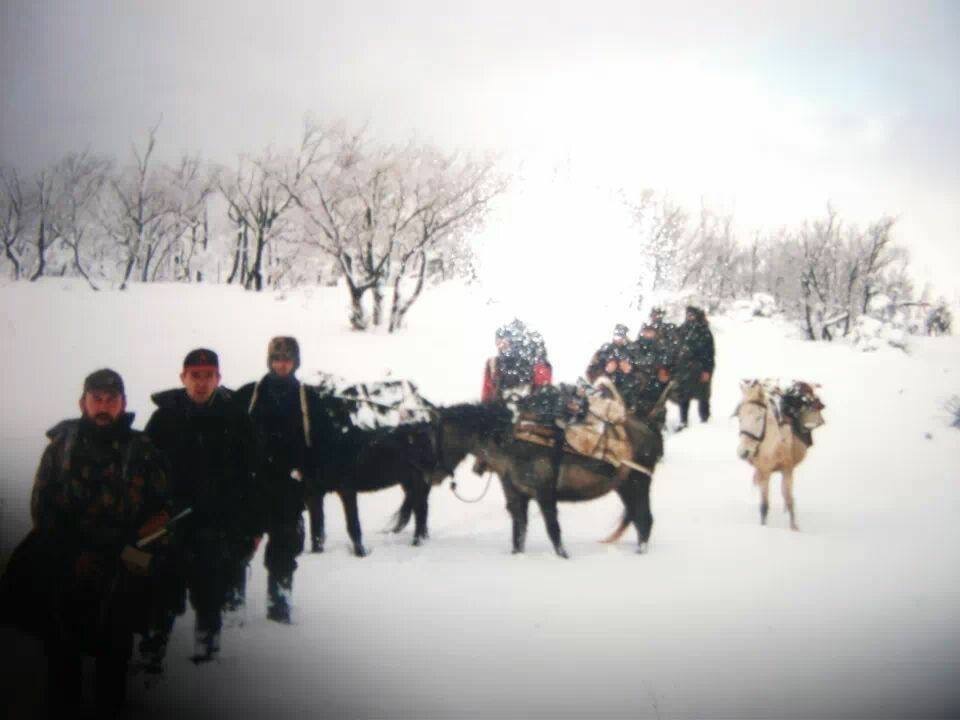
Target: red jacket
542,375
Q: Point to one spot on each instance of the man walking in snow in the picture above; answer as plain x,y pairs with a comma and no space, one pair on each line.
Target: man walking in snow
695,363
208,442
99,487
281,409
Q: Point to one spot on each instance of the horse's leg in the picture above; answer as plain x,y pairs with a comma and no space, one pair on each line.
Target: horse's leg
517,505
628,496
786,487
318,533
762,481
643,518
352,516
547,500
421,493
402,516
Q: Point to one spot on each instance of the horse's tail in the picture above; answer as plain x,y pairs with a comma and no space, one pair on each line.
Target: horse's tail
618,531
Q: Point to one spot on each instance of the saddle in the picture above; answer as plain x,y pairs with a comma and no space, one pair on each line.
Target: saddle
599,433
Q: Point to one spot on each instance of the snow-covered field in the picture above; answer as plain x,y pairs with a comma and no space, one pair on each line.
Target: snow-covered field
857,615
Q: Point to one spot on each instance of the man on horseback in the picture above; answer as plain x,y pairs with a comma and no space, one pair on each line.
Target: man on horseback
520,366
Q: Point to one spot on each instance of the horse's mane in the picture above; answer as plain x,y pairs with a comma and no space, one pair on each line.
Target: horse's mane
484,418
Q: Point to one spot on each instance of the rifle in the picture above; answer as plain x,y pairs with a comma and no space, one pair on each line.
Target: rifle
166,529
143,542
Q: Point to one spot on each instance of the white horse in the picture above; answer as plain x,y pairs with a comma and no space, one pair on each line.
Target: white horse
775,436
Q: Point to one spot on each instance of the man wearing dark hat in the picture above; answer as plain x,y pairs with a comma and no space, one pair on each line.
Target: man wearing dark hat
520,364
695,364
612,357
99,487
208,442
280,407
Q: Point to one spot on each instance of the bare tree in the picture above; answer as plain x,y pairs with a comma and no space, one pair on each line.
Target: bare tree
82,178
383,214
258,195
15,208
141,207
450,200
662,225
44,201
184,226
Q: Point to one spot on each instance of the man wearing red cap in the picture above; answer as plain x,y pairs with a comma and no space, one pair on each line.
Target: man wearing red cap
208,441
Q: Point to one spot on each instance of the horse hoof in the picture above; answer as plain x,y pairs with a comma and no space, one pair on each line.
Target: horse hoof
516,551
360,551
417,541
562,553
642,549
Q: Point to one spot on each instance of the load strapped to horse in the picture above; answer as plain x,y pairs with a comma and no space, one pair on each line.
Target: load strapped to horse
776,430
588,420
379,434
380,404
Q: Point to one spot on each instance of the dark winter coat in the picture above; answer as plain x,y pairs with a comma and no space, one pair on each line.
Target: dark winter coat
210,449
666,341
606,353
695,355
650,359
292,431
96,490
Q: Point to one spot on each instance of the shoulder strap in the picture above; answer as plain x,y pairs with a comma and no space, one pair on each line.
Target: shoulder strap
253,397
306,414
70,441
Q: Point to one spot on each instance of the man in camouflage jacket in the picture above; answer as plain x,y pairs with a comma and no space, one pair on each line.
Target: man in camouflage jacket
99,487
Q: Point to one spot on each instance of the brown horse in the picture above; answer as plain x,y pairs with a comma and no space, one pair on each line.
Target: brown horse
545,474
775,437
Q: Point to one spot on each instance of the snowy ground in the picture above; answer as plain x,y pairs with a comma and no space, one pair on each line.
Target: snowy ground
857,615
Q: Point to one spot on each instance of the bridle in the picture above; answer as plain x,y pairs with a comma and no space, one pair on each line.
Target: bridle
758,439
442,463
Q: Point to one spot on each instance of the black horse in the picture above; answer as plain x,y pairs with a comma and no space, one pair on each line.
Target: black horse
354,460
529,471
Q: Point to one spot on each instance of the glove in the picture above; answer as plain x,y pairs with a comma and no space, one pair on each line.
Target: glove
137,562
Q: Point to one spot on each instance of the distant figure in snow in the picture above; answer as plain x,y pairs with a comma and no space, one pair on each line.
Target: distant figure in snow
694,364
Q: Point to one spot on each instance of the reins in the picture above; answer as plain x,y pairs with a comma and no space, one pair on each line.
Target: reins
453,487
438,444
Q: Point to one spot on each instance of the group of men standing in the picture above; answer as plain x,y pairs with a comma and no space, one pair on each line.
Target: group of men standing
662,353
127,524
664,358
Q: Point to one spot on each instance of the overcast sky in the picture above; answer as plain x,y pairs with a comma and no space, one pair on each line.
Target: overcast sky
769,110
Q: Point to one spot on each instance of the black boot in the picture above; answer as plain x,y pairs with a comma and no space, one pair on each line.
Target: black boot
279,592
206,646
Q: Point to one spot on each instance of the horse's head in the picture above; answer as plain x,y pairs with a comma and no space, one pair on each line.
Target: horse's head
752,415
468,428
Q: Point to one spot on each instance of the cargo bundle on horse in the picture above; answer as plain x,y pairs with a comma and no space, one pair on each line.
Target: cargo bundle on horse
776,431
597,447
380,436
